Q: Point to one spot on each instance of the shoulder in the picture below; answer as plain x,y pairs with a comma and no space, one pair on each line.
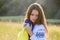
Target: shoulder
39,25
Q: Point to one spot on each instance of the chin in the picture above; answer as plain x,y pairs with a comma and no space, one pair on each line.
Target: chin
33,21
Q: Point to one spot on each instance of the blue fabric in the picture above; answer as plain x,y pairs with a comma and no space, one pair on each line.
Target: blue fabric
30,23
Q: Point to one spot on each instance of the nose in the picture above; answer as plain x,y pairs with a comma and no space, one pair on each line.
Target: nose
34,17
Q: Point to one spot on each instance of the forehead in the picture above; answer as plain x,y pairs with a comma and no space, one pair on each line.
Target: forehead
34,12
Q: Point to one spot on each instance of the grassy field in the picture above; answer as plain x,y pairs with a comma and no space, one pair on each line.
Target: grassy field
9,31
20,18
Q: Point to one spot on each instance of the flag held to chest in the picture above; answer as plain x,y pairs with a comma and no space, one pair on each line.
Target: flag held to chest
23,35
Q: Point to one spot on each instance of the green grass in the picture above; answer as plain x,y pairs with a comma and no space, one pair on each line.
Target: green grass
53,20
12,17
18,18
9,31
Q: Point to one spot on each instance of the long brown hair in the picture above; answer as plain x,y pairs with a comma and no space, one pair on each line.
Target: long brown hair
41,17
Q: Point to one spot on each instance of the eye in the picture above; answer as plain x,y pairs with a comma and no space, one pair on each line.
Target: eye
36,15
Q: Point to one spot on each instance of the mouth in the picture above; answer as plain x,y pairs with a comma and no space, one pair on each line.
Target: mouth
33,20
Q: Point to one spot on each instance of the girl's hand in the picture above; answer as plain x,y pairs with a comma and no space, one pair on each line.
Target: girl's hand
28,28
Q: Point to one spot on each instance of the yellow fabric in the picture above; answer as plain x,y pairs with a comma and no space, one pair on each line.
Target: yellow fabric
23,35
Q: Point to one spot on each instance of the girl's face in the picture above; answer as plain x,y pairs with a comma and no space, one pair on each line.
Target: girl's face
34,15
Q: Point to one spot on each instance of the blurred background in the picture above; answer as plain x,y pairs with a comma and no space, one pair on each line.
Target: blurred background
12,13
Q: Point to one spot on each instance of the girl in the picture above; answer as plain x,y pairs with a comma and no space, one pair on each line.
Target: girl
35,15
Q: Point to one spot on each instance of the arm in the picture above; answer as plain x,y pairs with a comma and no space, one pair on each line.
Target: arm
28,29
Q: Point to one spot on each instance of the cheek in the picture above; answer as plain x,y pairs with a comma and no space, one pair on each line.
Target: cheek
36,17
31,17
